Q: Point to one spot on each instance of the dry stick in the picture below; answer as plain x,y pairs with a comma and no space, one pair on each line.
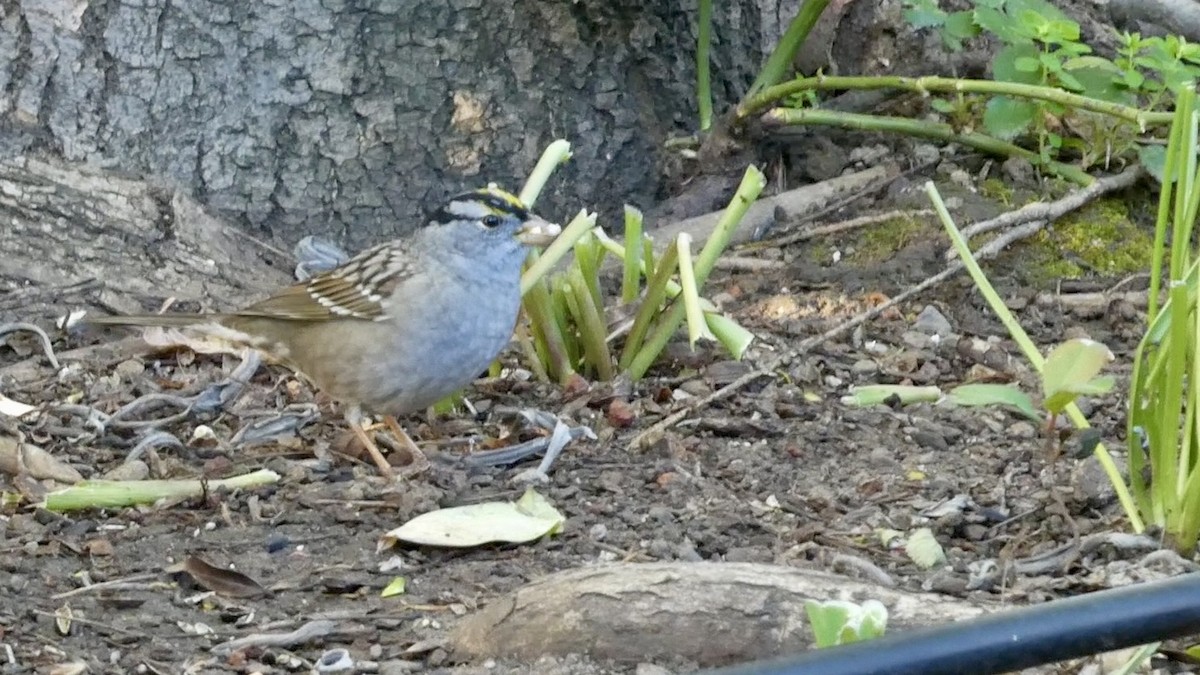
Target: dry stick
305,633
655,432
124,583
852,224
1056,209
744,264
42,337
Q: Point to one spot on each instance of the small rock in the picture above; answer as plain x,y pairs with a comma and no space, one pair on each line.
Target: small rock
1018,170
620,414
130,368
924,153
650,669
696,388
932,322
864,367
916,340
1021,429
752,554
660,548
598,532
975,531
1092,483
930,440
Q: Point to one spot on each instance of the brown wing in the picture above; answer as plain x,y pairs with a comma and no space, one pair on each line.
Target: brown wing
357,288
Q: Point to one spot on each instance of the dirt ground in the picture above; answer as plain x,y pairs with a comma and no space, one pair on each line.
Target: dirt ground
783,472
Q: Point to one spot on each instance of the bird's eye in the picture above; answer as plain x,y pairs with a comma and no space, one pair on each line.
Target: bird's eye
491,221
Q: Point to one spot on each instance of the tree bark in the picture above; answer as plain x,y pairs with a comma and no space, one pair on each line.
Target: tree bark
710,613
351,120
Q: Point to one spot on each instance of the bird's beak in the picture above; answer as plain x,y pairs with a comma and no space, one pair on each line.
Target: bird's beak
537,231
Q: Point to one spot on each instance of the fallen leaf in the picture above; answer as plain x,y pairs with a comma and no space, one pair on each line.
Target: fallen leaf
529,519
220,580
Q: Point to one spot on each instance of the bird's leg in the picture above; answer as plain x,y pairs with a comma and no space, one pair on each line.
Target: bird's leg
419,461
354,419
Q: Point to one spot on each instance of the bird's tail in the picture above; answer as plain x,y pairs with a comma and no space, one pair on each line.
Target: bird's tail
178,320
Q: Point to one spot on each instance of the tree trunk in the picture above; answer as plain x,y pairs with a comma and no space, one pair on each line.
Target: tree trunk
352,119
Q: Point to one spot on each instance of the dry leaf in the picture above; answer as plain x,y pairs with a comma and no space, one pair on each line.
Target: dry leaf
222,581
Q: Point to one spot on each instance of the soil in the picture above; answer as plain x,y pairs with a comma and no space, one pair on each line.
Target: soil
782,472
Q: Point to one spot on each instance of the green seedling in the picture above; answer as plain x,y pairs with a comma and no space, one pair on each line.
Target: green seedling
837,622
569,330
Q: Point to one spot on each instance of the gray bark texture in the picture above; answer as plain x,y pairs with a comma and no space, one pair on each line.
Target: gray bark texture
712,614
351,119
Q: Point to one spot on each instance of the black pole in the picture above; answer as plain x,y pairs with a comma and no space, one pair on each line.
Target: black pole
998,643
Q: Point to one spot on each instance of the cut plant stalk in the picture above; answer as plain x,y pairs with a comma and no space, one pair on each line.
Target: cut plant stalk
656,295
733,337
589,319
558,152
631,279
547,331
540,264
697,327
779,63
749,189
108,494
703,76
729,333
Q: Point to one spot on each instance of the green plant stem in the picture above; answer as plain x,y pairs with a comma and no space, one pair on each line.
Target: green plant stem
101,494
631,257
690,295
921,129
779,63
591,325
770,97
542,263
1186,191
1029,350
1183,108
752,184
732,336
703,73
656,295
556,153
547,331
529,350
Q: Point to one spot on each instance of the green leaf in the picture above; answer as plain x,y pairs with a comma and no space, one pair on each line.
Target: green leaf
959,26
1031,11
1002,26
1006,69
924,550
874,394
827,619
943,106
396,586
838,622
924,14
1102,84
1004,395
1007,118
1154,159
1027,64
1070,371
